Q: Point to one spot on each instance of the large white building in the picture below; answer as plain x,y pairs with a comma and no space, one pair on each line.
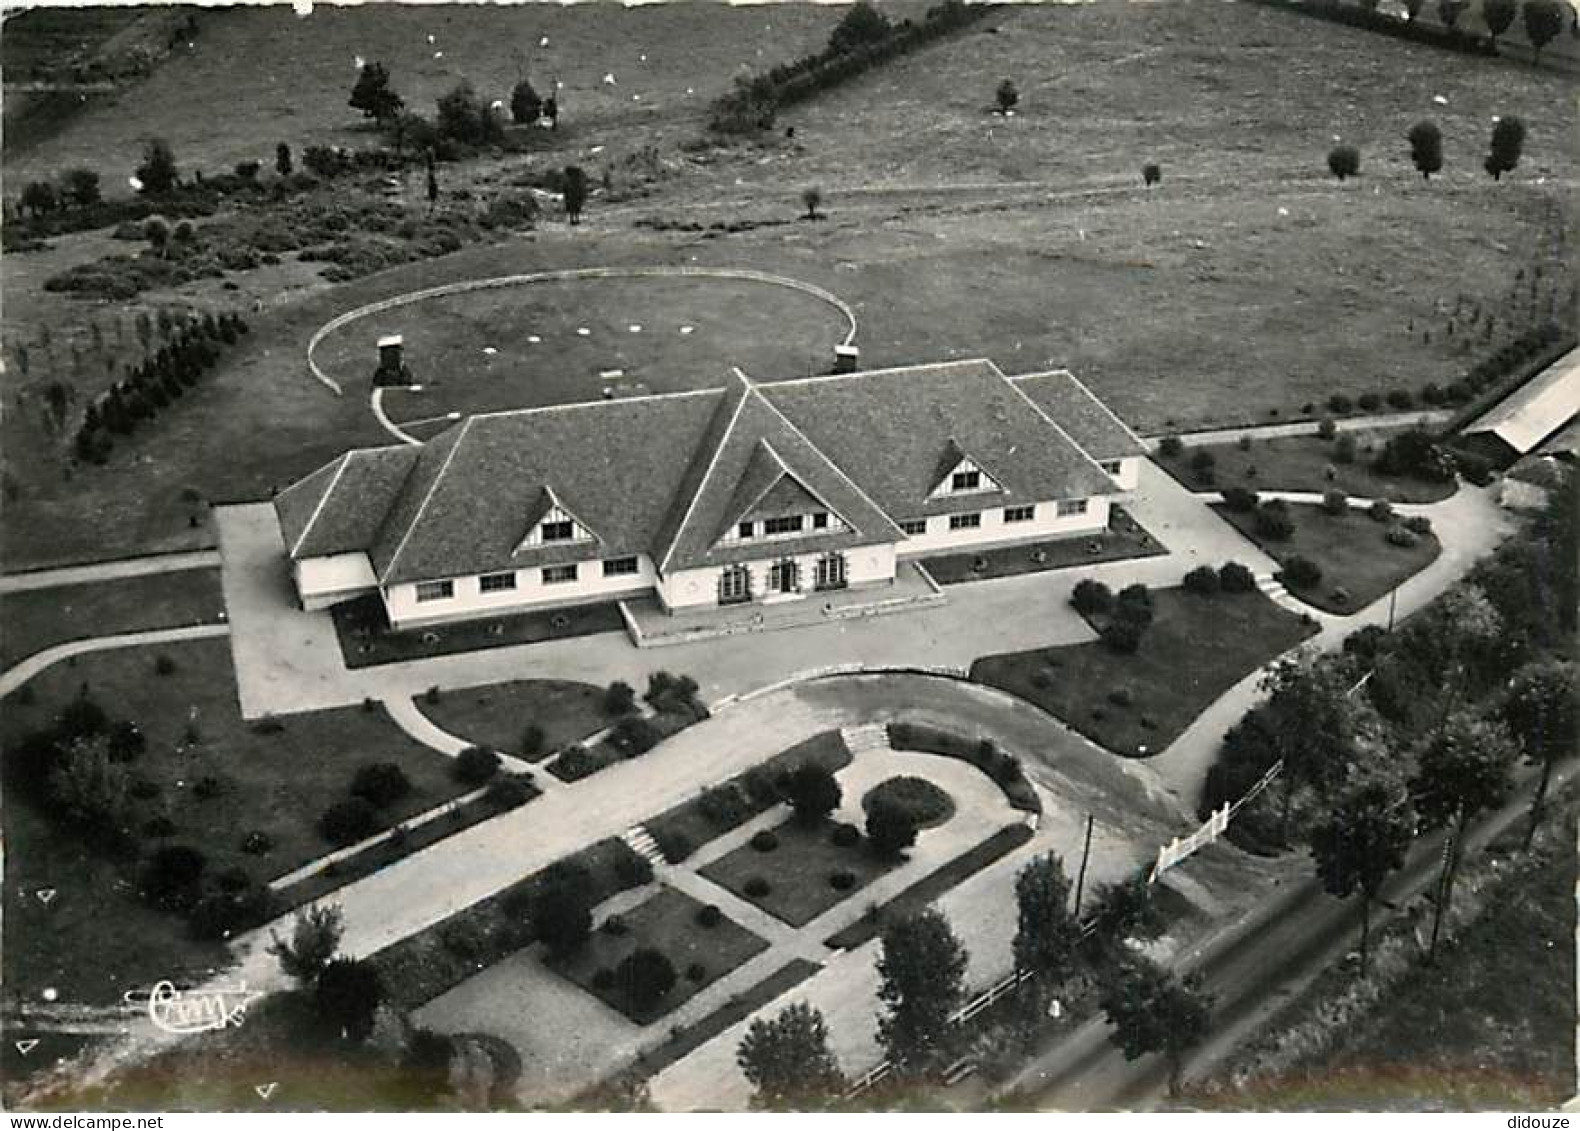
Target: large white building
711,498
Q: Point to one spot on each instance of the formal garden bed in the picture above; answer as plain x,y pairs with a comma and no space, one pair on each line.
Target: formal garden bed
682,829
36,619
193,810
1125,538
652,959
800,869
1327,460
367,640
1333,556
675,707
1004,768
528,718
1193,649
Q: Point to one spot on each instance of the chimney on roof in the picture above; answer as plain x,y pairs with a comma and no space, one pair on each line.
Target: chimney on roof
392,366
846,359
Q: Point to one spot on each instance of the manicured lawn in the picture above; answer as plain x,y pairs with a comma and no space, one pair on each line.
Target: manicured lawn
366,638
683,829
36,619
1352,549
1194,651
1301,463
271,778
497,716
668,923
798,871
1124,538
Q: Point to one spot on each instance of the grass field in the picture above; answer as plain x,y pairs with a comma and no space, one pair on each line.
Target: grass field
497,716
1352,549
36,619
798,871
277,783
1300,463
1194,651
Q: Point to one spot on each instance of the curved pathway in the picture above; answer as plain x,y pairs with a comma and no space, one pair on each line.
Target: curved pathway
15,677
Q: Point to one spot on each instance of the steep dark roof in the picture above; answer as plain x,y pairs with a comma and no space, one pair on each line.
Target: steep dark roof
892,429
338,508
1076,409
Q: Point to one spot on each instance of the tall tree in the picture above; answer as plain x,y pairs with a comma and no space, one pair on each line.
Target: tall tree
1541,713
1006,96
525,105
921,972
1313,724
1361,842
1152,1011
1046,931
575,192
1498,15
348,993
315,937
811,197
1544,19
1463,769
1426,148
788,1062
158,174
282,159
861,25
373,94
1508,139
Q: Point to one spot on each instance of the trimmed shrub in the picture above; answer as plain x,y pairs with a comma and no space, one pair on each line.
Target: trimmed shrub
1301,573
696,972
1336,503
1369,402
1340,404
727,805
619,698
842,881
674,844
511,791
764,840
475,765
1381,510
845,835
1122,636
1236,578
1203,581
164,665
1134,604
1327,428
635,735
633,870
1400,399
1402,537
709,917
346,822
1418,524
1202,460
756,887
812,791
1273,521
380,784
645,976
1121,697
1171,446
1241,499
1091,598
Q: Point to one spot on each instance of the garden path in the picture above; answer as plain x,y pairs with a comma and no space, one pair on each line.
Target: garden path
108,571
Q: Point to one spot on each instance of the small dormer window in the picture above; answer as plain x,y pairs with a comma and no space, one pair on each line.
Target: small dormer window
559,530
745,531
790,524
820,520
965,481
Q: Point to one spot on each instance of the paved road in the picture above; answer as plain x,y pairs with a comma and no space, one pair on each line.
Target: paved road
1253,968
108,571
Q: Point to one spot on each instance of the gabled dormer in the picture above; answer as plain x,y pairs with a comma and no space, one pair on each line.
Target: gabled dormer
960,474
771,501
552,523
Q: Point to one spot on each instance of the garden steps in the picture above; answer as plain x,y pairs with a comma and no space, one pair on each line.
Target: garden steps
641,842
868,736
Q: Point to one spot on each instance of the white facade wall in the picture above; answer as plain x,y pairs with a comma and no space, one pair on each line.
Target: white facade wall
321,582
530,593
699,588
994,531
1129,476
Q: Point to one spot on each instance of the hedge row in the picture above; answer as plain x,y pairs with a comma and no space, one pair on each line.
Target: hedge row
1000,765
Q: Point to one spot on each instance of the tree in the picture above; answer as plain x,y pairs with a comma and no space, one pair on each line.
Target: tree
1314,726
1344,161
525,105
645,976
476,765
373,94
464,117
1124,910
40,197
380,783
315,937
81,187
619,698
1463,769
282,159
1508,139
891,827
1426,148
1151,173
1449,12
812,791
1544,19
1046,933
787,1060
862,25
811,197
575,192
1361,842
1541,713
158,174
562,918
921,971
348,993
87,785
1151,1011
1006,96
1498,16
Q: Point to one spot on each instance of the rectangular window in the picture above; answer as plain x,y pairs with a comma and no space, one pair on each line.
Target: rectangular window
496,582
965,481
914,526
1071,506
965,521
1019,514
746,530
435,590
559,575
619,567
787,525
1111,466
820,521
561,530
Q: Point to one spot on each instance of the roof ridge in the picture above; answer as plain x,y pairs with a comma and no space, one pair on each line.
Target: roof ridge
1057,427
343,462
600,403
432,487
1097,400
747,393
888,370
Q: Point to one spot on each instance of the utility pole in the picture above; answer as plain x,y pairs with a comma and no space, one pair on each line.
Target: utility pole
1080,879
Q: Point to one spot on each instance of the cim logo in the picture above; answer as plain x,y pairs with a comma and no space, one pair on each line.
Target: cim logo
195,1011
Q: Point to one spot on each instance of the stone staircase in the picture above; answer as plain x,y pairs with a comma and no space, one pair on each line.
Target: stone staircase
642,843
868,736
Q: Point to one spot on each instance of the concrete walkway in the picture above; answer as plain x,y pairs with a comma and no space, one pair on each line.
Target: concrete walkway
108,571
15,677
404,713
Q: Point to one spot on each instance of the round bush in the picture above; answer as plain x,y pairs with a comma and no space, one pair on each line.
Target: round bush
1241,499
1203,581
757,887
1202,459
1236,578
1402,537
1400,399
842,881
1122,636
845,835
346,822
917,799
696,972
256,843
511,791
1339,404
380,783
1301,573
475,765
1380,511
764,840
1336,503
1171,446
646,976
1369,402
1418,524
1327,428
1273,521
1091,597
1121,697
709,916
